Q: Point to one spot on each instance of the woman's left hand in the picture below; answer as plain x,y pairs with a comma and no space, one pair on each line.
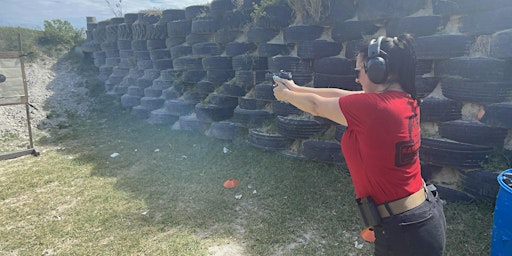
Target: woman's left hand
280,89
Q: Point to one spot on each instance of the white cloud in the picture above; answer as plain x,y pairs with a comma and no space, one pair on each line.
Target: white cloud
32,14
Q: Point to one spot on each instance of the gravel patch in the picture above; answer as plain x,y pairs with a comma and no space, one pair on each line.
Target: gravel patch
55,92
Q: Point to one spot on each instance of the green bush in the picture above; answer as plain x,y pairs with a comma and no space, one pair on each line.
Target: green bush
59,37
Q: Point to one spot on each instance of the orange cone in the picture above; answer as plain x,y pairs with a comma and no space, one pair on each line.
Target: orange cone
368,235
230,183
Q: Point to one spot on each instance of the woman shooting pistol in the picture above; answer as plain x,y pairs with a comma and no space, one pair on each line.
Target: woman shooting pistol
381,145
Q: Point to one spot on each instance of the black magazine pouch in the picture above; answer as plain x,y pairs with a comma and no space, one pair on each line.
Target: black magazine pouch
368,211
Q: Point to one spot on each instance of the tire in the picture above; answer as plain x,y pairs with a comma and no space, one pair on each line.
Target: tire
323,151
130,100
440,110
219,76
453,154
205,87
213,113
218,7
193,38
179,28
180,51
453,195
156,44
285,109
152,92
172,15
339,131
498,115
152,103
239,48
276,17
224,36
222,100
298,128
171,93
160,84
334,66
217,62
144,64
226,130
135,91
161,117
424,67
175,40
441,47
271,49
261,35
233,90
317,49
193,97
248,62
251,103
124,44
290,64
187,63
141,55
268,141
425,86
472,68
235,20
418,26
264,91
251,118
352,30
247,79
178,107
195,11
295,34
487,22
384,10
159,54
500,44
479,92
169,74
346,82
206,49
193,124
162,64
481,184
473,132
205,26
193,76
140,112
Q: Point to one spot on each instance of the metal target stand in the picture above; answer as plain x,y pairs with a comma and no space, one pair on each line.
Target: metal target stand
11,94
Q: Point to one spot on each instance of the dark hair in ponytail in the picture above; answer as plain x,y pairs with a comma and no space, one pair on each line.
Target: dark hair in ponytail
401,61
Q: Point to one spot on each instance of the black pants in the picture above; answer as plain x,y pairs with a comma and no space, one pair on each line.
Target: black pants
419,231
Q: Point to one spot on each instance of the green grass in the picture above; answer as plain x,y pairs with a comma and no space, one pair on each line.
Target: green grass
163,195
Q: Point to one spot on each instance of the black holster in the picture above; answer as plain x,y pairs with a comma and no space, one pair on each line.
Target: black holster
368,211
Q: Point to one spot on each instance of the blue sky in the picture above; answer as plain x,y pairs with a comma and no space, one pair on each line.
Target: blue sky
33,13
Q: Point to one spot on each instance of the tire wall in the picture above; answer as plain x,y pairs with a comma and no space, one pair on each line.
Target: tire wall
206,68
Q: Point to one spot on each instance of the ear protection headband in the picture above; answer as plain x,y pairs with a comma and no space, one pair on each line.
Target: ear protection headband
377,68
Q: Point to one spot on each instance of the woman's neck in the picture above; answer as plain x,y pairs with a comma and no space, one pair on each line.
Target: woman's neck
389,87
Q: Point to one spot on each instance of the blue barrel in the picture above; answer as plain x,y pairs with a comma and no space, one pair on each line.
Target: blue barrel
502,227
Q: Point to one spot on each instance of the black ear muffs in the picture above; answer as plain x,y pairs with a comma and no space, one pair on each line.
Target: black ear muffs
377,68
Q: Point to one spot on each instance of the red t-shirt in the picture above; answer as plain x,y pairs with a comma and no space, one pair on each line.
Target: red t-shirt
381,144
